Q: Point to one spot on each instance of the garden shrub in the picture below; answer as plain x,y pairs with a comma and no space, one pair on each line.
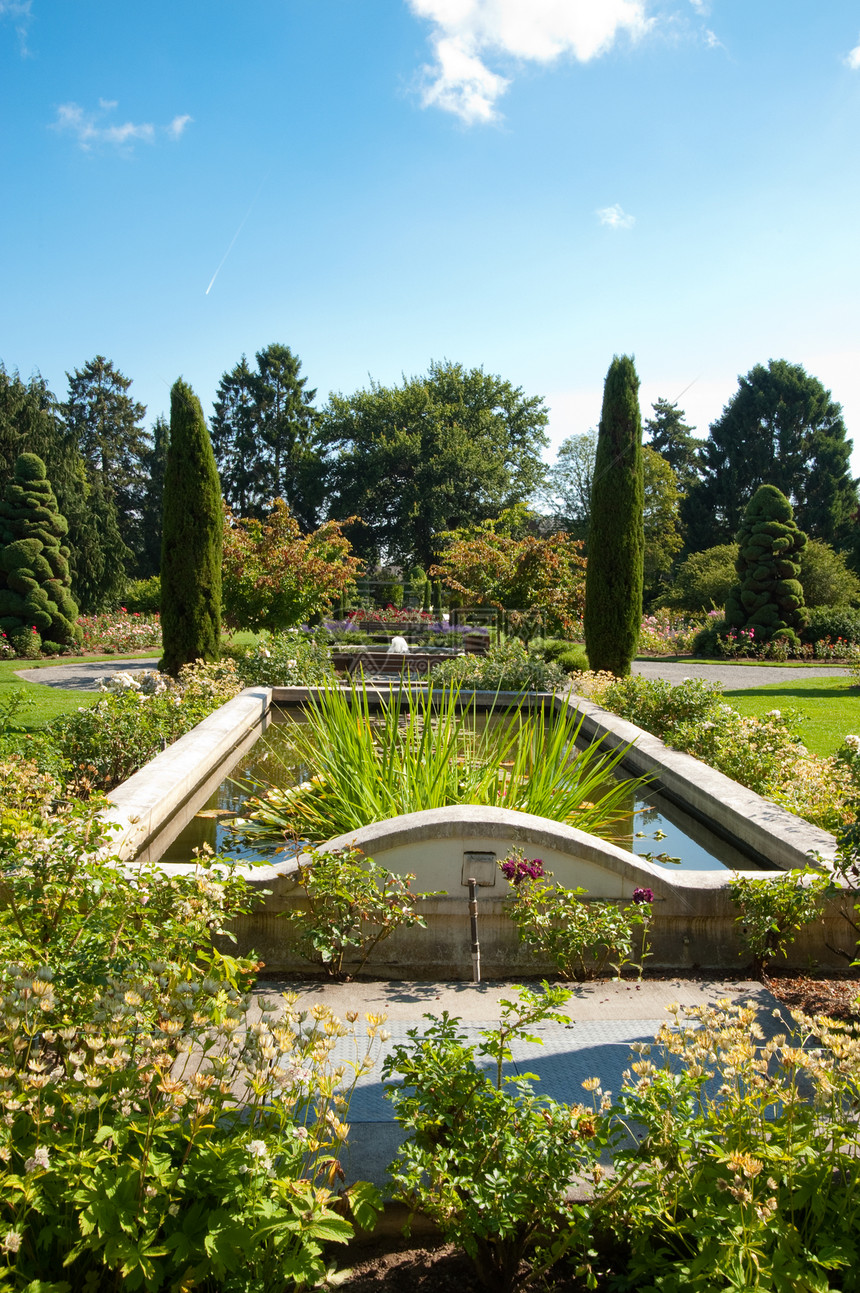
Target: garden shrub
162,1129
704,580
122,631
771,910
833,622
578,937
143,596
352,905
742,1171
508,666
485,1157
102,746
290,659
825,577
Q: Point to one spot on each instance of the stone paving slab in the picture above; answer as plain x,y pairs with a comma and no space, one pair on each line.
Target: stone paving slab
605,1019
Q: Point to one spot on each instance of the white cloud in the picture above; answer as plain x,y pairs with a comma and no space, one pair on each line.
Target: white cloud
178,124
853,58
20,12
700,6
90,128
615,217
467,31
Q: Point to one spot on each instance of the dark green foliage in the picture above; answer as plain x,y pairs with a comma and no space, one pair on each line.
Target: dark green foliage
832,622
192,538
616,541
769,597
780,428
30,423
152,510
263,437
104,424
34,567
704,580
670,436
441,452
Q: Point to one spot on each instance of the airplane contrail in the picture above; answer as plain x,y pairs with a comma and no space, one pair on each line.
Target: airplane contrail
238,231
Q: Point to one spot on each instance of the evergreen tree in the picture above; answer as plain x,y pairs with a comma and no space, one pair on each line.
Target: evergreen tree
105,426
263,437
34,568
192,537
769,597
152,510
237,445
613,581
669,434
784,429
30,422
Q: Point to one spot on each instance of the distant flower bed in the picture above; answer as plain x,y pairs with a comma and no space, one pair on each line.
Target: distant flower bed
119,631
669,633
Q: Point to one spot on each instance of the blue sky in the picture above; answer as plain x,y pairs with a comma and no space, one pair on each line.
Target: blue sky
531,185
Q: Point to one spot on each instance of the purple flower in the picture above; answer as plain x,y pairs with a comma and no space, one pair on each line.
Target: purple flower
520,869
643,895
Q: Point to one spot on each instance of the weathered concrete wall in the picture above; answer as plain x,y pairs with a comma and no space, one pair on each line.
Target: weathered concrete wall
694,920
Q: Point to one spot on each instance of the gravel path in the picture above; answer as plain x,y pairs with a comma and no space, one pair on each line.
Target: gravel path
734,676
87,675
84,675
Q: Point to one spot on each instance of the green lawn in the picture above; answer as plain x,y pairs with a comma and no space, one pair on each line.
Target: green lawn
830,707
42,702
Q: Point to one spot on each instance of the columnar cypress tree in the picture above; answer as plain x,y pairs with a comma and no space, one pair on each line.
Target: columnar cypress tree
191,538
34,562
616,543
769,597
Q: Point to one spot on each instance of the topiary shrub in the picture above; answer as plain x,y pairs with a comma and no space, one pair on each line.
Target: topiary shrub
35,583
769,597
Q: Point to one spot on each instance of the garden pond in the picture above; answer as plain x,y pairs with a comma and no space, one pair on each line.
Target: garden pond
652,826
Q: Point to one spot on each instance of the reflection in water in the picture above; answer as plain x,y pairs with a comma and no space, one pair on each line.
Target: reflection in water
651,826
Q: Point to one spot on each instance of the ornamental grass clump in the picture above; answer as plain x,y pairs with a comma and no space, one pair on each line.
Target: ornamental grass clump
426,750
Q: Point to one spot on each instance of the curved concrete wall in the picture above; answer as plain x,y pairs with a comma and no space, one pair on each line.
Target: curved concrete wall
694,920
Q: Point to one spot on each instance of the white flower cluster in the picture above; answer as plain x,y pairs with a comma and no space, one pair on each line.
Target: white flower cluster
148,682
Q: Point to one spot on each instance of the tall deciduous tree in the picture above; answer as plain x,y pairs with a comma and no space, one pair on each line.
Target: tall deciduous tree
613,587
784,429
263,436
568,486
670,436
440,452
106,427
192,538
501,563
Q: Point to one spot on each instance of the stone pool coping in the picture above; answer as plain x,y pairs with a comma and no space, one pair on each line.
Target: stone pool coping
143,806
